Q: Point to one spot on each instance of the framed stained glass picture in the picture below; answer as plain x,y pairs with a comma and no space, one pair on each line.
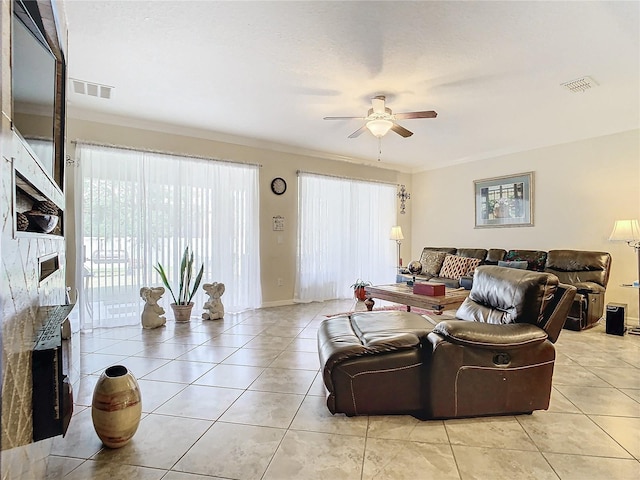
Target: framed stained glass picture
504,201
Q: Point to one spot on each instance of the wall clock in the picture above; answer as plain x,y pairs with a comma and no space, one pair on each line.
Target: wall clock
278,186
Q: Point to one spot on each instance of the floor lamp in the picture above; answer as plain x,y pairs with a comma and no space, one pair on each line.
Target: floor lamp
396,234
629,231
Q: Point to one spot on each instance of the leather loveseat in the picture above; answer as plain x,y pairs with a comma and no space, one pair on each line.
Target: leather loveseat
588,271
496,359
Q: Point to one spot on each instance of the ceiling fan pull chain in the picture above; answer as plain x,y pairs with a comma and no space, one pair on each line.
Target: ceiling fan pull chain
379,147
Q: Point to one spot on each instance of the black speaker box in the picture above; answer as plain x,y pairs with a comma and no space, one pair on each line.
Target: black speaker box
616,318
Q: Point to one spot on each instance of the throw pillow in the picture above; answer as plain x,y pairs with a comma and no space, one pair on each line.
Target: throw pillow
431,261
454,267
521,264
472,265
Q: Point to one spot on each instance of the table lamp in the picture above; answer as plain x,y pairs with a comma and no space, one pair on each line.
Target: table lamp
629,231
396,234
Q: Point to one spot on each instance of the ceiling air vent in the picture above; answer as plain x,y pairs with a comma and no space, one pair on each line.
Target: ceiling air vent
580,84
92,89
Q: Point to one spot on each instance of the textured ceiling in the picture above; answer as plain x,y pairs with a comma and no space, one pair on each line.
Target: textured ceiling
266,73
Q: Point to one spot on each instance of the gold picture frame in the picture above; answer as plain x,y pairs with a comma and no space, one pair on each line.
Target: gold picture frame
504,201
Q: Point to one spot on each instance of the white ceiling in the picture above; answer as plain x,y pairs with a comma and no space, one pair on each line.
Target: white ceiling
266,73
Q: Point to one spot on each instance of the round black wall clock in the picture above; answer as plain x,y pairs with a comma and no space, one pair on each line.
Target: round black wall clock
278,186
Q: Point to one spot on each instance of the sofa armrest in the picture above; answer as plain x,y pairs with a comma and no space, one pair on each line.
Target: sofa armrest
488,335
589,287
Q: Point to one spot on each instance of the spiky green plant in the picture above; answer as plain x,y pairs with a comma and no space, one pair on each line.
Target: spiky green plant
186,272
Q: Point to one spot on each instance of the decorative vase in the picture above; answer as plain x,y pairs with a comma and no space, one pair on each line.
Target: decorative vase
360,293
116,407
182,313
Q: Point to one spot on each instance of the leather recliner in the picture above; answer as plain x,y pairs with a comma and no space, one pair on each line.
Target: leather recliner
497,357
589,273
376,363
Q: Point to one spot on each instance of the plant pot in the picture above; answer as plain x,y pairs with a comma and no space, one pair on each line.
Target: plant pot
182,313
116,407
360,293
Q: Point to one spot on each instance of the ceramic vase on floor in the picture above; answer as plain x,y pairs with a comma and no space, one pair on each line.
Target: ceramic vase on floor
116,407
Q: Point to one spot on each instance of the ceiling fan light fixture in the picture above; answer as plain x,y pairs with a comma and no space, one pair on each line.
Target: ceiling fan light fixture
379,127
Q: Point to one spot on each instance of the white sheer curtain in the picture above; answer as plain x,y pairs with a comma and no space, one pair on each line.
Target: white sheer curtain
140,208
344,230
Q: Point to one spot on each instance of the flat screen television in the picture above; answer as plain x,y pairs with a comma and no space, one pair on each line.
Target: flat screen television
33,81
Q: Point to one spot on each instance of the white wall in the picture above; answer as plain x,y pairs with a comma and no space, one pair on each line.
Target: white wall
580,189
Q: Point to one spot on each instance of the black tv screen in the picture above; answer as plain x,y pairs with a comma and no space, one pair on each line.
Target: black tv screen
34,86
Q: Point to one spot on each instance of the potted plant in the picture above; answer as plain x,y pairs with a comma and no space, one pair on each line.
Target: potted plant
182,304
359,289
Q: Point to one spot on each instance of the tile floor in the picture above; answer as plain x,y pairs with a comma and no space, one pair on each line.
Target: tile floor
241,398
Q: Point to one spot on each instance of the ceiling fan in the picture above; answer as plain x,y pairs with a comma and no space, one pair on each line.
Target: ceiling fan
381,119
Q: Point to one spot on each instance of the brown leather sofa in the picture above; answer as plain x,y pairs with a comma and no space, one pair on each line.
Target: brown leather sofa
400,363
588,271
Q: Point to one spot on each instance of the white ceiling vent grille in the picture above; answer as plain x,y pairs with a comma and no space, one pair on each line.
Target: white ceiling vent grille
580,84
92,89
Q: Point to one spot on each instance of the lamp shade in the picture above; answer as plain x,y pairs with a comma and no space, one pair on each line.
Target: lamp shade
396,233
379,127
625,231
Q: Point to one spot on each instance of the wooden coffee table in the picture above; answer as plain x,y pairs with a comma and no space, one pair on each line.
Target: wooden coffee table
403,294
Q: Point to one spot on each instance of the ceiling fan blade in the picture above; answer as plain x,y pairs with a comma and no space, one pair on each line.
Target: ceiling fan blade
401,130
426,114
378,104
343,118
358,132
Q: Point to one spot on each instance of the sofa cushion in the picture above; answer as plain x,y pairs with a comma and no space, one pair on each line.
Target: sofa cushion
535,258
431,261
454,267
521,264
577,267
472,264
494,255
479,253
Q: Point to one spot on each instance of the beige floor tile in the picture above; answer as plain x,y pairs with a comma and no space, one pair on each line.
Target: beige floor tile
298,360
189,476
618,377
303,345
81,440
631,393
601,401
560,403
98,362
317,387
190,338
196,401
242,329
110,471
179,371
232,451
155,393
404,460
83,390
208,353
264,409
159,442
575,467
141,366
58,467
576,375
269,342
625,431
316,456
278,330
406,427
569,433
501,464
490,432
314,416
91,344
284,380
169,351
123,347
252,357
231,376
227,340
